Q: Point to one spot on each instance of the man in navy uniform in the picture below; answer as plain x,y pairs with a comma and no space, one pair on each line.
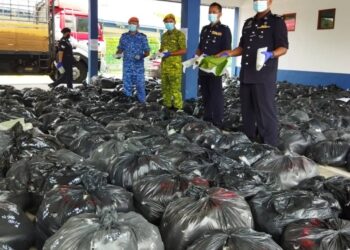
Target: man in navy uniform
258,87
214,38
65,60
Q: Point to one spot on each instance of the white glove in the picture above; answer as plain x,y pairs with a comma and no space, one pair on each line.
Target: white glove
188,63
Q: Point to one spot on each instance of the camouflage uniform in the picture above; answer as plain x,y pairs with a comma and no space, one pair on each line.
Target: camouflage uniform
171,68
133,69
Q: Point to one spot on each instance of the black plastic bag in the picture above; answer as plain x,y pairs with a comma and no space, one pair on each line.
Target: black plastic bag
156,190
195,129
242,239
104,154
339,186
228,141
33,142
21,198
294,141
288,170
69,130
331,153
87,143
64,202
178,153
315,184
128,168
316,234
176,124
273,211
5,247
16,229
6,143
122,231
32,174
249,153
188,218
209,138
246,182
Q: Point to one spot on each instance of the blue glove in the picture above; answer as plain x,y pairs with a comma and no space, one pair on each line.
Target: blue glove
59,65
166,54
268,55
225,54
138,57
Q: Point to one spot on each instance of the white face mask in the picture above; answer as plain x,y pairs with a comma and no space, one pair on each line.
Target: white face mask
213,18
260,6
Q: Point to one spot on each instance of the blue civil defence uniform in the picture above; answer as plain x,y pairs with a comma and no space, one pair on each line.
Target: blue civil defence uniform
134,45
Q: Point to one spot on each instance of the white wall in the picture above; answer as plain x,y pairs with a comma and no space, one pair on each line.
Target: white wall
312,49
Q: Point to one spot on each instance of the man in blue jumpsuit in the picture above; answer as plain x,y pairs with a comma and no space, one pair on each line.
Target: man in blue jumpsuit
258,87
214,38
133,47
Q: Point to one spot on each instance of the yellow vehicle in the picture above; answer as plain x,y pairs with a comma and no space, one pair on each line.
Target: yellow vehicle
27,38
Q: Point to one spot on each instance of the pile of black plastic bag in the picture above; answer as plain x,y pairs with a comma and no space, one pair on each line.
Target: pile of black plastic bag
92,169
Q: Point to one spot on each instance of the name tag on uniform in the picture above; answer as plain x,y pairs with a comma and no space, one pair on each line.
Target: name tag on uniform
216,33
264,27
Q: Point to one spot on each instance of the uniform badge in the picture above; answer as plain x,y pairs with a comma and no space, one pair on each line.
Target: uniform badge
264,27
215,33
249,24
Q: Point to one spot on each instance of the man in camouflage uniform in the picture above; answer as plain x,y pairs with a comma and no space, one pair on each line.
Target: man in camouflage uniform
133,46
173,46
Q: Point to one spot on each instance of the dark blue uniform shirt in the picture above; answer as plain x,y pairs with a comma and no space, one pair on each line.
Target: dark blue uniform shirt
65,46
214,39
269,31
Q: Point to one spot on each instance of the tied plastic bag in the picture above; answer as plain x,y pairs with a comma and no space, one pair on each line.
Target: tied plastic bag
155,191
131,167
210,64
242,239
339,186
331,153
63,202
107,230
245,181
214,65
16,230
315,234
193,62
288,170
273,211
260,58
204,210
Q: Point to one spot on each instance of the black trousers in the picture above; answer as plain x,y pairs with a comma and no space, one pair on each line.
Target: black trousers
213,98
259,112
67,77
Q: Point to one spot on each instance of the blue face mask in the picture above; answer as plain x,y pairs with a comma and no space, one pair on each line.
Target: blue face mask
169,26
132,27
260,6
213,18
